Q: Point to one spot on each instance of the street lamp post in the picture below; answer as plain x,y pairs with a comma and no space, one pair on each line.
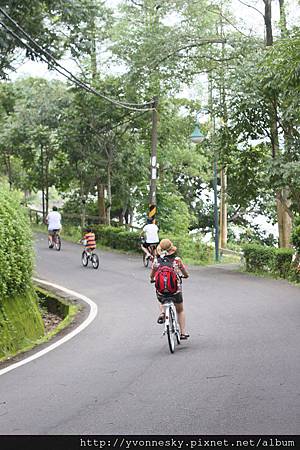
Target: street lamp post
197,137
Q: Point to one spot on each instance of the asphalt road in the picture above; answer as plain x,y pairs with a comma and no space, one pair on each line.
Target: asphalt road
238,373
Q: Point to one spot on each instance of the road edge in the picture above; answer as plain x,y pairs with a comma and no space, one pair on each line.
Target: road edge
91,316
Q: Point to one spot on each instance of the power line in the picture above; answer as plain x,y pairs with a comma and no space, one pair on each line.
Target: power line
44,55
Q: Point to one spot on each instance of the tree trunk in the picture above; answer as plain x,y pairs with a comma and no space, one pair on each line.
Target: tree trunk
8,168
268,22
93,50
223,209
47,184
82,205
283,218
287,220
285,193
101,202
223,193
109,197
282,22
43,183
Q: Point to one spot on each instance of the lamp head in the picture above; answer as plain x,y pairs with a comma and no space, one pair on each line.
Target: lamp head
197,137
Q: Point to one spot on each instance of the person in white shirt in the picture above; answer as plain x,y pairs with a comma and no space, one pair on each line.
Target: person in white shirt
54,223
151,238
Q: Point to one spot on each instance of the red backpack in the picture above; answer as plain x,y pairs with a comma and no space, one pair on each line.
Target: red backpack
166,282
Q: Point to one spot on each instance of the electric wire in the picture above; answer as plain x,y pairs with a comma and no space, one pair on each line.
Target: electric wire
55,65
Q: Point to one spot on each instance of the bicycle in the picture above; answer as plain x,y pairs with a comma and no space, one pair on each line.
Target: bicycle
56,241
151,249
171,325
90,255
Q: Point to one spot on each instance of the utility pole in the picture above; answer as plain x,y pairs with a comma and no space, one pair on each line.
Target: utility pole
215,169
153,176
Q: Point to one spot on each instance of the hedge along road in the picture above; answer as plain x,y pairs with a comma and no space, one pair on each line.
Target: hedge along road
238,373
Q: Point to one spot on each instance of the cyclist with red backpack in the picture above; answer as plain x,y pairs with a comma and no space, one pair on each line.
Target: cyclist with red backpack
166,271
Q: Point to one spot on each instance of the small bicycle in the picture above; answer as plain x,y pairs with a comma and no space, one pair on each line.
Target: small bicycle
56,241
90,255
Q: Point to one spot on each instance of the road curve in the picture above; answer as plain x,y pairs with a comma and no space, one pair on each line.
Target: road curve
238,373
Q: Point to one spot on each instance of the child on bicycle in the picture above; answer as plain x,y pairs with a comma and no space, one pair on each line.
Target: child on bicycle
167,258
89,240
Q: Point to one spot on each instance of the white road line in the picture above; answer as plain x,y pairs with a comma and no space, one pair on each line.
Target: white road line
81,327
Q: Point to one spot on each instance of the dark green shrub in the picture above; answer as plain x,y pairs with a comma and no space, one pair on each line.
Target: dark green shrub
188,247
16,255
283,262
296,235
259,257
20,320
117,237
277,261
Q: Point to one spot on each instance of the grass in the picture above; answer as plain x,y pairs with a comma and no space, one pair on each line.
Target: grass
69,233
29,344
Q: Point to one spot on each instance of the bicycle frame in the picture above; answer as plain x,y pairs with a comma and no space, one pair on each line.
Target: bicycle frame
151,249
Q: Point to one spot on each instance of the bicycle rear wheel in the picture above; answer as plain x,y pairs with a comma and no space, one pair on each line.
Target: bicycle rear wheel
57,243
95,261
171,331
84,258
145,260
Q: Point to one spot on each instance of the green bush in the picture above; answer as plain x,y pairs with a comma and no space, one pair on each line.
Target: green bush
296,235
16,255
283,262
117,237
188,247
20,320
277,261
21,323
259,257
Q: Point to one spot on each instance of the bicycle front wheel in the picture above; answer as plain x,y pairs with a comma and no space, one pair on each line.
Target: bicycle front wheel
95,261
84,258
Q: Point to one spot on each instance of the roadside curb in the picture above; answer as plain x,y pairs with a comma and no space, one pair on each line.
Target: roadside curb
91,316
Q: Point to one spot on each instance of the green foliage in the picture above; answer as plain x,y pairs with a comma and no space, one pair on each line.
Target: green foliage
117,237
173,213
283,262
258,258
16,256
190,248
296,235
20,323
276,261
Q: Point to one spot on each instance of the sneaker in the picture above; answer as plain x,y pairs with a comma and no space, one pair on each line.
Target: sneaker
161,318
184,336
